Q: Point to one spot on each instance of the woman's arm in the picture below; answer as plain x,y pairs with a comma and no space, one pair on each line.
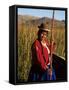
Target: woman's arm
40,56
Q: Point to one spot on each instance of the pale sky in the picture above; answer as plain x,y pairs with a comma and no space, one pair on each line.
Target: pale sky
59,14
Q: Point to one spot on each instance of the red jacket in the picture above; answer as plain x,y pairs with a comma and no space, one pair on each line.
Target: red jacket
40,54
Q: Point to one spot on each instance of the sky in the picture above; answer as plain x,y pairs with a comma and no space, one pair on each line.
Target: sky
59,14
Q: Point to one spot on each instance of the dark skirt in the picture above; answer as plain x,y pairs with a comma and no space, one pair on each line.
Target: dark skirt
40,75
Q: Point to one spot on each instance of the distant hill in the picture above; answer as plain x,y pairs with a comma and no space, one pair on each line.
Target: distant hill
32,20
24,18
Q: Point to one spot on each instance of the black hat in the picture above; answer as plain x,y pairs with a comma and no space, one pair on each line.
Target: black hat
43,27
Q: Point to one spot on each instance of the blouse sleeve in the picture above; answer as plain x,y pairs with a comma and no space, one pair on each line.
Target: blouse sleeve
40,56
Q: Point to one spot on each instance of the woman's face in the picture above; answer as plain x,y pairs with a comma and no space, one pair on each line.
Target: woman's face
43,36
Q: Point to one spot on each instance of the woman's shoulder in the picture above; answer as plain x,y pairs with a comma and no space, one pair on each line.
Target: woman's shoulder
35,47
36,42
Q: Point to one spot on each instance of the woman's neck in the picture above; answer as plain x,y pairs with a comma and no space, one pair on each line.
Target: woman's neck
43,41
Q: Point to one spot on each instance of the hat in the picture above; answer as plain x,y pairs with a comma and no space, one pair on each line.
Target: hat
43,27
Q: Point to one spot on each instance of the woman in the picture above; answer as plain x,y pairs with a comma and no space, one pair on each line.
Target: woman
40,69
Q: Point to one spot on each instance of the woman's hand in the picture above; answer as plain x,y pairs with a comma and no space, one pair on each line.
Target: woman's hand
53,46
47,67
50,72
